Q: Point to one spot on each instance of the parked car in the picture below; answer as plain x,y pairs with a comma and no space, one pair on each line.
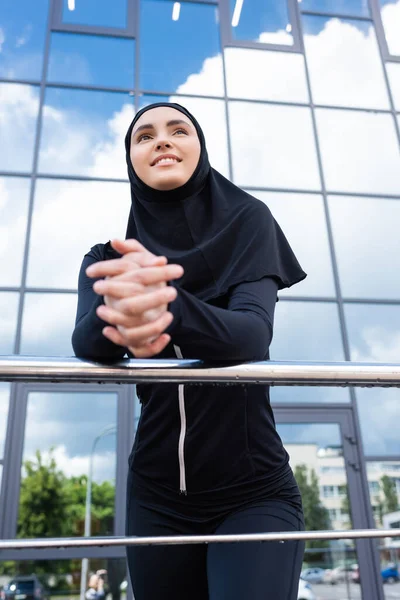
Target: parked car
339,574
313,575
305,591
24,588
390,574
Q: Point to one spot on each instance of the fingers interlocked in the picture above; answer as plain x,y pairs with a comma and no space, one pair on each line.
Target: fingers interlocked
136,297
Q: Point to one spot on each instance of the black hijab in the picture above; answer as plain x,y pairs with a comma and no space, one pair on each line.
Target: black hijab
220,235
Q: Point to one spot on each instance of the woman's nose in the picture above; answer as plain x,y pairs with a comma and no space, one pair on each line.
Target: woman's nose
163,144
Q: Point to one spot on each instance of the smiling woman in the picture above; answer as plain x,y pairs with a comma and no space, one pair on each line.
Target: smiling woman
201,454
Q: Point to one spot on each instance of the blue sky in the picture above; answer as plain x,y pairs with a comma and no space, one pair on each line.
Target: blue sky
22,25
344,7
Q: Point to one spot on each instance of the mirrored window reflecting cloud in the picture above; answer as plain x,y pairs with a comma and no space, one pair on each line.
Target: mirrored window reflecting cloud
374,332
307,331
22,37
14,199
379,412
367,245
187,59
360,151
91,60
344,63
273,146
265,75
83,133
393,71
47,324
100,208
261,21
302,219
8,321
19,106
390,12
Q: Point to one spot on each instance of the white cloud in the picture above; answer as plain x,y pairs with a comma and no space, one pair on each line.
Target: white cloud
339,58
74,466
379,344
24,38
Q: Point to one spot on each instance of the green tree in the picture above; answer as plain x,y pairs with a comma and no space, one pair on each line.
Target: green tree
42,505
390,502
316,516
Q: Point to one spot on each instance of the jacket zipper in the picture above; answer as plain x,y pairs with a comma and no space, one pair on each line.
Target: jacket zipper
182,435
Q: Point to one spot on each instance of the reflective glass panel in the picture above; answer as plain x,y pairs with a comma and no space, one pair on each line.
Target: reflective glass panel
4,402
366,238
384,491
73,436
14,199
211,115
283,75
22,35
316,457
393,71
47,324
308,331
345,74
19,105
191,61
64,202
273,146
96,12
302,219
83,133
374,332
360,151
265,21
8,321
61,578
390,12
340,7
379,412
92,60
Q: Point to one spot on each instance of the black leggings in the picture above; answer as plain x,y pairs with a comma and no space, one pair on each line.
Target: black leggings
244,571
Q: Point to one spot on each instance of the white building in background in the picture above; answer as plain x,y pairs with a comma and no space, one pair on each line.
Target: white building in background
328,464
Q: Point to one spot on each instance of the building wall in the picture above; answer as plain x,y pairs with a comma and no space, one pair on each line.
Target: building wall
300,105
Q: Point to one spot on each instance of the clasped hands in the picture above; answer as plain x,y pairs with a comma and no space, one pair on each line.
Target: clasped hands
136,297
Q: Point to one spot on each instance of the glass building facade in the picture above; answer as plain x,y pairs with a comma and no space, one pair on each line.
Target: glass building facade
300,105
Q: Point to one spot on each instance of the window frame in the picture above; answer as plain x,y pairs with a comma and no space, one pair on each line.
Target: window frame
229,41
380,33
130,31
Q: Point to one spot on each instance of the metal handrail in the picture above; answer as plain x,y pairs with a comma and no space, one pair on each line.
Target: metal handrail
74,370
173,540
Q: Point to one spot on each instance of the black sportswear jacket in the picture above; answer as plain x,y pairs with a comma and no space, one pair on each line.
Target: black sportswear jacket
200,438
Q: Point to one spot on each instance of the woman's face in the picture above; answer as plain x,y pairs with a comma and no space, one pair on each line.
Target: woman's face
165,148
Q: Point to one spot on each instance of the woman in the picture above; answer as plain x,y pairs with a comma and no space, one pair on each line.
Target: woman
206,458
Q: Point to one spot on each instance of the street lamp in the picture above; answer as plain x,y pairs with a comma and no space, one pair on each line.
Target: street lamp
85,562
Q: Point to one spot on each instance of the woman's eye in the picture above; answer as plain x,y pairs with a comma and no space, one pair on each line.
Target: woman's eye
143,136
181,131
